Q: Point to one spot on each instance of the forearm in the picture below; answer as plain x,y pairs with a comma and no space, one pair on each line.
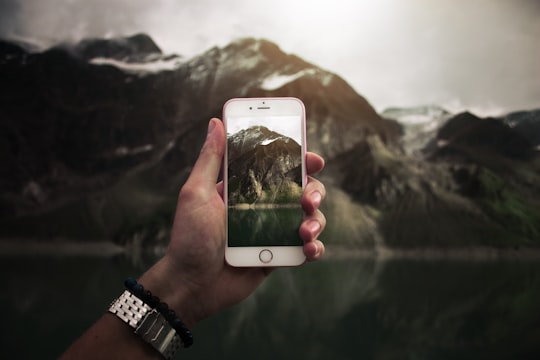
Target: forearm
110,337
192,278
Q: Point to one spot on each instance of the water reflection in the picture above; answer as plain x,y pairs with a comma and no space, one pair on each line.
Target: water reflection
275,226
332,309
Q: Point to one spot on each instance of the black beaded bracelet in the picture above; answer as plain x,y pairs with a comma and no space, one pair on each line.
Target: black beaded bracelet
169,314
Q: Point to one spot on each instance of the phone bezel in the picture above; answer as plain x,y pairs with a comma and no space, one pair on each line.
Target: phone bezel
249,256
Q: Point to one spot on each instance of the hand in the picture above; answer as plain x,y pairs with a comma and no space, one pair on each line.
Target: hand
193,277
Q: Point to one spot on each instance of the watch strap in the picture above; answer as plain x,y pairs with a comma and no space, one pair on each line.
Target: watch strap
129,308
148,323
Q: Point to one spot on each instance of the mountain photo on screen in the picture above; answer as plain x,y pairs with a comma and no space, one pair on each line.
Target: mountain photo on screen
264,162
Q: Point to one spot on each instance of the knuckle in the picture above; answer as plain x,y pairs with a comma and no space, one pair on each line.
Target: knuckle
190,193
314,184
321,218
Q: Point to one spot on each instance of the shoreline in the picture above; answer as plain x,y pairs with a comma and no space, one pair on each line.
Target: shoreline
93,248
246,206
103,248
462,253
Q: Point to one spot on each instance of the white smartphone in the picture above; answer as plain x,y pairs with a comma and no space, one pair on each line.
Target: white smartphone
264,176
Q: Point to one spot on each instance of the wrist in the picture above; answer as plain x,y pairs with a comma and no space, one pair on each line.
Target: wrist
172,290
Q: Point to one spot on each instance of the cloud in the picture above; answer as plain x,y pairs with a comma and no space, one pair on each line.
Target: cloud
403,53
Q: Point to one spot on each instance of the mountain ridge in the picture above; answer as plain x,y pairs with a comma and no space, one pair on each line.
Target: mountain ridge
99,149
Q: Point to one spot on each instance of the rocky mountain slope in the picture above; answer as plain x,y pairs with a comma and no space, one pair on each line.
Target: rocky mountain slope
274,162
97,137
476,182
526,123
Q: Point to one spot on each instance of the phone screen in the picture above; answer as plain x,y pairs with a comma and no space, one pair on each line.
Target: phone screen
264,180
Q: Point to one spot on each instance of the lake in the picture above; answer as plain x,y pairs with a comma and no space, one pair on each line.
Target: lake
343,307
265,226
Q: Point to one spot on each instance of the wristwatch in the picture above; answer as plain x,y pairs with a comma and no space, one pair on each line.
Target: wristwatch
148,323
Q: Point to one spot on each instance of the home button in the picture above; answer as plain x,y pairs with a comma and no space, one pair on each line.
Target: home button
266,256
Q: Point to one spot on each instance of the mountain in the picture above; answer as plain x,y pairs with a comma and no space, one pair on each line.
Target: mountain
97,137
420,124
526,123
136,48
247,139
101,133
69,127
466,133
475,182
274,162
337,115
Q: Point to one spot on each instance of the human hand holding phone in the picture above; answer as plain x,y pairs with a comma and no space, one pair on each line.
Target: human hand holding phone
193,277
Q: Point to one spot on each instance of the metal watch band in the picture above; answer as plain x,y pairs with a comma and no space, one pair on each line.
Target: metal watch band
129,308
148,323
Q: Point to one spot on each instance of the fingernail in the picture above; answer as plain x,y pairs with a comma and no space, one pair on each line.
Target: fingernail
314,226
211,127
316,197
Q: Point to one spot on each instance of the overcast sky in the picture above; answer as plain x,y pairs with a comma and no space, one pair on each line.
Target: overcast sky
481,55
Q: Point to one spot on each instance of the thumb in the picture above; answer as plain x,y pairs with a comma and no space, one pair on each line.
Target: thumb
207,166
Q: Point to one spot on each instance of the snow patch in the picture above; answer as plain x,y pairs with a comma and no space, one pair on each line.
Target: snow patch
267,141
420,124
125,151
276,80
414,119
326,79
146,67
199,73
442,143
